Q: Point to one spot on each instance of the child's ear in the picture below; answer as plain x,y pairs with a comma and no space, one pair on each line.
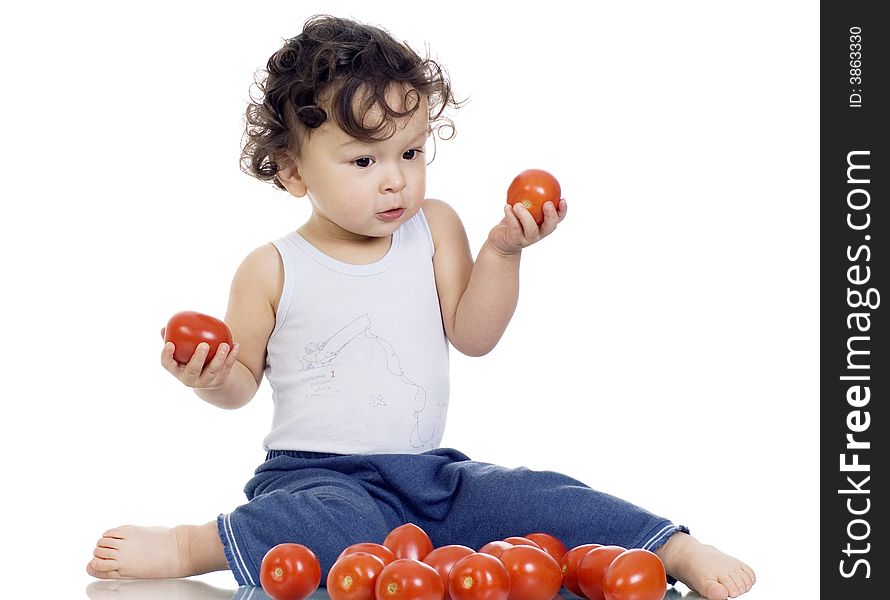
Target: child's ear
288,174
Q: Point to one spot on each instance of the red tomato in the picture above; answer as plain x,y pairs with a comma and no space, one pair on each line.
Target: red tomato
495,548
592,567
187,329
518,540
409,579
409,541
290,572
635,575
534,574
442,559
569,564
532,188
479,577
550,544
378,550
353,576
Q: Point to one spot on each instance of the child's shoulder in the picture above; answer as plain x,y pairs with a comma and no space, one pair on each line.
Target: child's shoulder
443,220
261,271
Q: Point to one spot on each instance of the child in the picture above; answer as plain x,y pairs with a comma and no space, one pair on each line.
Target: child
350,318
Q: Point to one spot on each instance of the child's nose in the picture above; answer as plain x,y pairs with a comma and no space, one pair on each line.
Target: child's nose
393,181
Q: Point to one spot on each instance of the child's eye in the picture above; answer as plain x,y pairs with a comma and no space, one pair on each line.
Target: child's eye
412,153
363,162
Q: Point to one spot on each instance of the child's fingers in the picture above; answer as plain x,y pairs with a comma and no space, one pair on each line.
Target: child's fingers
562,209
529,226
196,362
511,220
551,219
217,363
233,357
167,359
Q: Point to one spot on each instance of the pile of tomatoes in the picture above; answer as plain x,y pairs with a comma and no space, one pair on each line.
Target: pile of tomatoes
407,567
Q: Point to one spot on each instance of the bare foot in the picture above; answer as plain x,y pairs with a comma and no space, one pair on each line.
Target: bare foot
705,569
131,552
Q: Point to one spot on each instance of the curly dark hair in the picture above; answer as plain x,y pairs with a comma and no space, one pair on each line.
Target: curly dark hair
348,67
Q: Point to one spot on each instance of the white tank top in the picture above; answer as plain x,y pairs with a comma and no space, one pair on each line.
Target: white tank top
358,358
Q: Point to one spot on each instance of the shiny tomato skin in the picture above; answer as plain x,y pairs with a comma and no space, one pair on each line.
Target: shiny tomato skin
636,574
518,540
479,576
443,558
534,574
378,550
592,567
409,541
409,579
569,565
550,544
188,328
353,576
532,188
495,548
290,572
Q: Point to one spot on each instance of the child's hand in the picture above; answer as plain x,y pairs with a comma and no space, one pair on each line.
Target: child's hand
518,229
213,375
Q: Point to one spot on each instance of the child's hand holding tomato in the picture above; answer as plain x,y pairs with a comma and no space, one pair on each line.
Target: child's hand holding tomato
533,210
186,330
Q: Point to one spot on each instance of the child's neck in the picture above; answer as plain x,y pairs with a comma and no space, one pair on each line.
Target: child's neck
355,250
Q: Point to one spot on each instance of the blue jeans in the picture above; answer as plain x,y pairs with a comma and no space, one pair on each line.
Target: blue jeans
330,501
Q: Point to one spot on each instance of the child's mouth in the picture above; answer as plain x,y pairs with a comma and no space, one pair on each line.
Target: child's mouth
392,214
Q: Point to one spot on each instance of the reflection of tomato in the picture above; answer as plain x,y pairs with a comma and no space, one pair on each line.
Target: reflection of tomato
534,574
532,188
518,540
409,541
187,329
442,559
592,567
569,564
495,548
290,572
635,575
378,550
550,544
479,577
409,579
353,576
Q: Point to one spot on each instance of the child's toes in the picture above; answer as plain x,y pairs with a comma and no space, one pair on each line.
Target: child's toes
103,568
117,533
714,590
749,576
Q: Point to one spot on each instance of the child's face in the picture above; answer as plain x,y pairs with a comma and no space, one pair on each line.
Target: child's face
361,189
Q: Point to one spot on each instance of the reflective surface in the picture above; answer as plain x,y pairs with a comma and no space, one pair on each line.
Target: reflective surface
194,589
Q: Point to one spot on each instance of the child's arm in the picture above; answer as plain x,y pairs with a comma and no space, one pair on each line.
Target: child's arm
231,379
478,300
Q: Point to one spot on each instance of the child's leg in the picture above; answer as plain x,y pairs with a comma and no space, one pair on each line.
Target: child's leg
471,503
130,552
291,500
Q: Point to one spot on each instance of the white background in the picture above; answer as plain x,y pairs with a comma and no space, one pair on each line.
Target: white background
665,348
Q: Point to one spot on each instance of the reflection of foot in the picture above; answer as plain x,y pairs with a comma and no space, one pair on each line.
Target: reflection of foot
161,589
713,574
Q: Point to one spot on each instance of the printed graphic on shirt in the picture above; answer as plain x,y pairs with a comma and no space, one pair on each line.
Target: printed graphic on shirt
324,354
